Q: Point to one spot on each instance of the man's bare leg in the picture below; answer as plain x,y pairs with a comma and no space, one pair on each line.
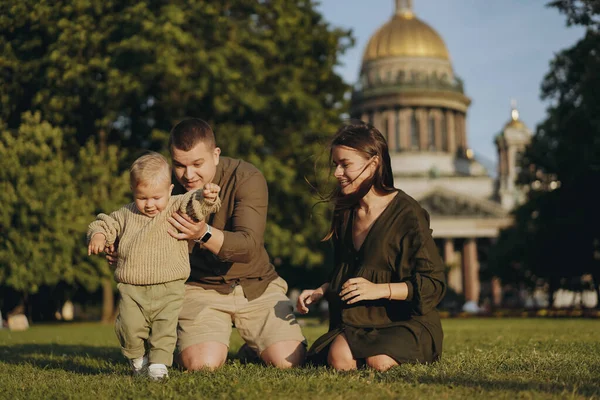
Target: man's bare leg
285,354
209,355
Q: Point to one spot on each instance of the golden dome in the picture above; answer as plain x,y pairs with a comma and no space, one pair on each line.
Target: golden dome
515,124
406,36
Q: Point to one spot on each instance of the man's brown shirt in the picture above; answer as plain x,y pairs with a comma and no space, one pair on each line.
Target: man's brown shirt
243,258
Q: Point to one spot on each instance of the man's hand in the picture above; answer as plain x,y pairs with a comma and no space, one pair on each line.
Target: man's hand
211,192
97,244
111,254
188,229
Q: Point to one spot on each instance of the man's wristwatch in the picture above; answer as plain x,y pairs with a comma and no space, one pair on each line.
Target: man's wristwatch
207,235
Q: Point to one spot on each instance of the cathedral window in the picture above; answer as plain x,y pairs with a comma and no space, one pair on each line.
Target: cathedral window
518,161
401,77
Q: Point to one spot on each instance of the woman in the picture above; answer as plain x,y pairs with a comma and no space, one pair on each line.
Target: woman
388,276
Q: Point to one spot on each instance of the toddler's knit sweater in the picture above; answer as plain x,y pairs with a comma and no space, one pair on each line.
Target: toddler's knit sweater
147,254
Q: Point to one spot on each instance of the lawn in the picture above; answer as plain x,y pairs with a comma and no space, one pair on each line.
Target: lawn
483,358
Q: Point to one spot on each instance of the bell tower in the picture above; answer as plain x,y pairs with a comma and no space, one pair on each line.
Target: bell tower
511,144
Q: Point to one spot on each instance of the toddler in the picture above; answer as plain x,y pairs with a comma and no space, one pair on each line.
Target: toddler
152,266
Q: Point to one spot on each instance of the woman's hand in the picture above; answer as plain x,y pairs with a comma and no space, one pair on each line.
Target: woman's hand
359,289
308,297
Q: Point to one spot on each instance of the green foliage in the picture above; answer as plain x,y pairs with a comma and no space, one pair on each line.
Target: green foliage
556,234
123,72
483,358
41,217
104,189
48,200
579,12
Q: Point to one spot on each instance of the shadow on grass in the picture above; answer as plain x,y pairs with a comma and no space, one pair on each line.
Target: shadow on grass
73,358
586,389
86,360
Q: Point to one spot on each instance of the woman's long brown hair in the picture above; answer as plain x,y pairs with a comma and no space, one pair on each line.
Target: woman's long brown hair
367,140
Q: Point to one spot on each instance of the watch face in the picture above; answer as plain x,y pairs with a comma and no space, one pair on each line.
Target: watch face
206,236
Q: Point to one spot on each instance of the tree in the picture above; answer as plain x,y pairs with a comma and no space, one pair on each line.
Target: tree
579,12
42,215
124,72
563,161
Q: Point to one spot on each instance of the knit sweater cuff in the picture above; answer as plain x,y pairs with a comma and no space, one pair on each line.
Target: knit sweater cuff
104,224
197,207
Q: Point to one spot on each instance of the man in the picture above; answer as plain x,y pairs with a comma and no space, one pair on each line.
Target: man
231,280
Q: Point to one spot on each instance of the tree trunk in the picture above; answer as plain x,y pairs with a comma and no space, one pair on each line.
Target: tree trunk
108,301
596,278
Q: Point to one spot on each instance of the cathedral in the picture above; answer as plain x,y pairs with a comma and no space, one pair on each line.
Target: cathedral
407,88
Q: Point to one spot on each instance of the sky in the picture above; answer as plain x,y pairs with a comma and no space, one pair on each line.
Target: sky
501,49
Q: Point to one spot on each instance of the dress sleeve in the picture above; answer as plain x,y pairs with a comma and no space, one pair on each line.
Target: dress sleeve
196,206
421,266
109,225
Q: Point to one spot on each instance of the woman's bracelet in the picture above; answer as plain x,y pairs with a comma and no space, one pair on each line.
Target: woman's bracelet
390,289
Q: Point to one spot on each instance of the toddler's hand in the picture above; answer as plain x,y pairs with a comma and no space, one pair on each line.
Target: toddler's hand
97,244
211,191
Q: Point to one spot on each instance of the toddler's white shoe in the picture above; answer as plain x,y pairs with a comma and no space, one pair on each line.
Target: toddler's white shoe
157,372
139,365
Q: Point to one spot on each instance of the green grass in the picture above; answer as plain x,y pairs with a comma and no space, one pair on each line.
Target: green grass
483,358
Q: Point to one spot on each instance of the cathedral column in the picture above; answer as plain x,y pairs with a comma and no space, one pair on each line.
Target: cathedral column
391,129
511,162
471,273
455,276
439,146
501,162
377,120
422,124
404,115
459,131
450,132
463,130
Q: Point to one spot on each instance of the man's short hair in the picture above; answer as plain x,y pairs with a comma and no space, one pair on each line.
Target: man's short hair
150,169
189,132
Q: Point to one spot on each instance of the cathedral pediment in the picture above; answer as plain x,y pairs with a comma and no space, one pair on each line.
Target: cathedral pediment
445,203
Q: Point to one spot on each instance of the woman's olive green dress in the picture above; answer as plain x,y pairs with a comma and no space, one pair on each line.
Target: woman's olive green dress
398,248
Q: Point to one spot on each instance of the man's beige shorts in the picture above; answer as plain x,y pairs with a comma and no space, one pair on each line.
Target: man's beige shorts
207,316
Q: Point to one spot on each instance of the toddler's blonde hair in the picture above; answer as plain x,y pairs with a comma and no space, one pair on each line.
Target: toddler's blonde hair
150,169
